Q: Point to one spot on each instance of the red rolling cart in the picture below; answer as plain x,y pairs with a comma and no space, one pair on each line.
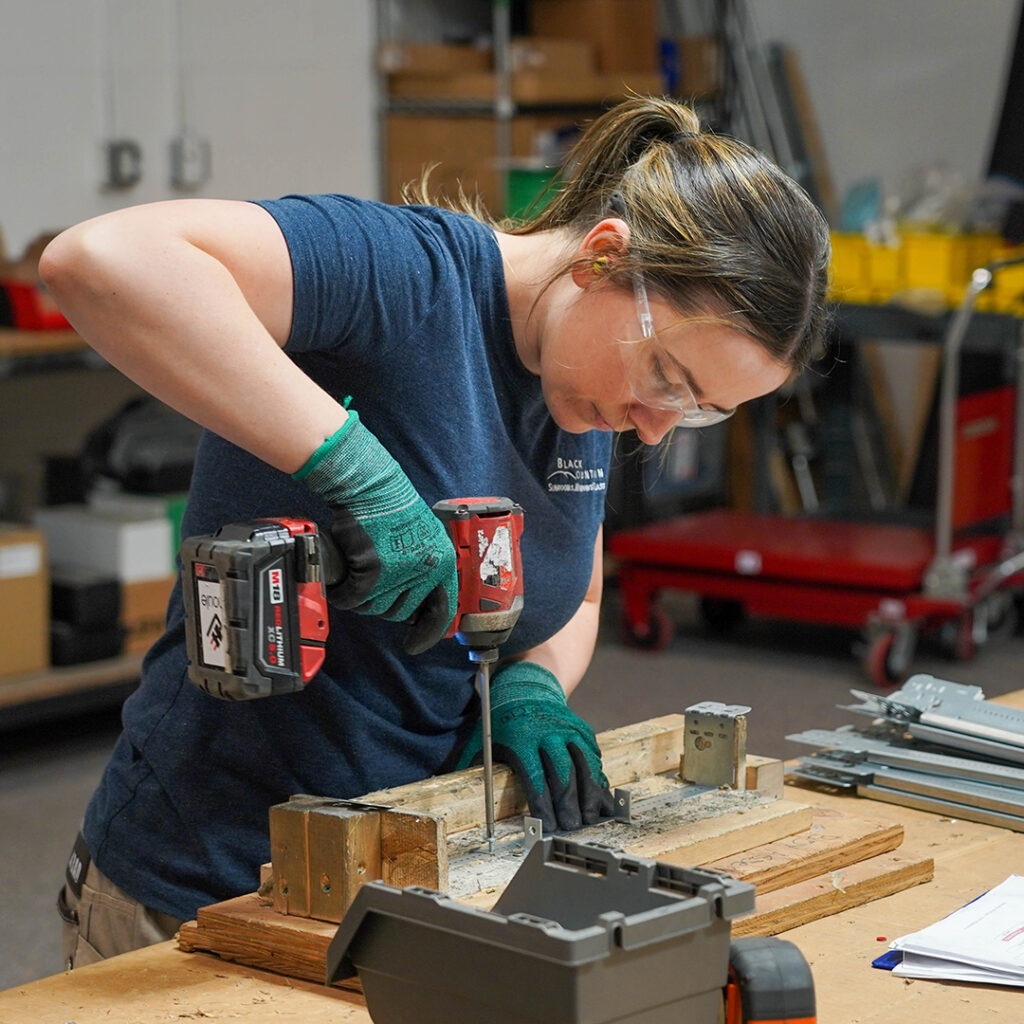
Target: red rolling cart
894,582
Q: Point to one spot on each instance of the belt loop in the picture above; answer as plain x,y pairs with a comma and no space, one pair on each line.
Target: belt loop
77,865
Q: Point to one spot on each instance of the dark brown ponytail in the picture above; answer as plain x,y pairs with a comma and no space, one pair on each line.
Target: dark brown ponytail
716,227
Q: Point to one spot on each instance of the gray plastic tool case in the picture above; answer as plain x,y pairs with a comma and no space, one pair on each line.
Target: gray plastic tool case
583,933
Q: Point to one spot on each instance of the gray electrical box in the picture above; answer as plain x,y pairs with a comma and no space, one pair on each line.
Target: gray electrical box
583,934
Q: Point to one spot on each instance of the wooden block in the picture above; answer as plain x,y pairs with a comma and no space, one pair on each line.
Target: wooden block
630,753
413,849
832,893
322,852
765,774
713,838
289,853
833,841
344,853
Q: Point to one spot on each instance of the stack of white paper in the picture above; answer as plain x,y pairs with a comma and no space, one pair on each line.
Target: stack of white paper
982,942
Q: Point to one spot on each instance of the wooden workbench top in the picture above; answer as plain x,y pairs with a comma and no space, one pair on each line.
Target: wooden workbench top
163,983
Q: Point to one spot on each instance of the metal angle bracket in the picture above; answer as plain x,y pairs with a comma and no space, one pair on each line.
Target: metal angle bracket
533,831
623,805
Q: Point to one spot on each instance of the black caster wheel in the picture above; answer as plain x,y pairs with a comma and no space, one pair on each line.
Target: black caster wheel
655,635
887,658
721,615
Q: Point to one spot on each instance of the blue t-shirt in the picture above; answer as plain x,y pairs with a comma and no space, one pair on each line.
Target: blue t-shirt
404,309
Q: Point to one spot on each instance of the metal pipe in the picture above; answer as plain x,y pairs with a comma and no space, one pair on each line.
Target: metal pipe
483,683
504,106
1017,482
980,280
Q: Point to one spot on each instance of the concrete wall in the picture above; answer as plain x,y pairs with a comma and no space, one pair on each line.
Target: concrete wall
284,91
897,84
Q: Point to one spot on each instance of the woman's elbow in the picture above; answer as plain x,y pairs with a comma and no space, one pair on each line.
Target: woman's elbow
64,261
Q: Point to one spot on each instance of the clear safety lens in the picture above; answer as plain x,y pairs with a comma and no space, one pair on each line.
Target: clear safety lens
653,380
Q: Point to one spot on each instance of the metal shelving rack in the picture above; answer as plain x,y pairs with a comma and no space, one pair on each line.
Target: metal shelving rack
36,695
501,108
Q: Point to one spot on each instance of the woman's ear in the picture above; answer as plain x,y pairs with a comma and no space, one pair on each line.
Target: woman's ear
607,240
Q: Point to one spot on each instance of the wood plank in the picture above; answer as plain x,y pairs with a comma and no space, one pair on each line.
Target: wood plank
629,753
413,850
58,682
247,930
834,840
833,893
814,148
15,343
713,838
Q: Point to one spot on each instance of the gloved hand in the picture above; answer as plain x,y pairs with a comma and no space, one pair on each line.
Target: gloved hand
399,563
551,749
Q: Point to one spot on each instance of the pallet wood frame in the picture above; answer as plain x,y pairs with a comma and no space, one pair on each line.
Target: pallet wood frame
792,855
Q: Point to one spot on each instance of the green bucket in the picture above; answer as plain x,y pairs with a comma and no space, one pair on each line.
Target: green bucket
524,186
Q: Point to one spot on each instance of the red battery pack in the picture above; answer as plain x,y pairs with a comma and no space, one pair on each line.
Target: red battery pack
255,608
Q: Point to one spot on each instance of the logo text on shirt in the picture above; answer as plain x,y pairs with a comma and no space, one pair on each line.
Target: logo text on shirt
574,475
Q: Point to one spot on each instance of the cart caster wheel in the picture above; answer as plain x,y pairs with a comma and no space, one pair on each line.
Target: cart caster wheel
885,664
958,638
1002,616
655,636
770,980
721,615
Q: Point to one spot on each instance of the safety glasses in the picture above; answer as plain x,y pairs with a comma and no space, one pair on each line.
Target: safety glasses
646,364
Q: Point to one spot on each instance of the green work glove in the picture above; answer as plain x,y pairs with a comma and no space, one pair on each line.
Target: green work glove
397,560
551,749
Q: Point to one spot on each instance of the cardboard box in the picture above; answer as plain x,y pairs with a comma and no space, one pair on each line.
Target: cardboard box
143,610
553,56
701,67
127,547
24,601
465,149
144,506
528,87
624,33
432,59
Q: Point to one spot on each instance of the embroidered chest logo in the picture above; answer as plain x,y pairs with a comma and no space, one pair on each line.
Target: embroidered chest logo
575,475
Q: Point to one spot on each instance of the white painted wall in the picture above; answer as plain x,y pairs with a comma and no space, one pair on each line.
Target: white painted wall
283,89
897,84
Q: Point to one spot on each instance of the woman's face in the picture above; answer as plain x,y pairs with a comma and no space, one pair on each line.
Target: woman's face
594,362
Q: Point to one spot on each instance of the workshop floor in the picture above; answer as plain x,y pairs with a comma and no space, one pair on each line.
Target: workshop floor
792,676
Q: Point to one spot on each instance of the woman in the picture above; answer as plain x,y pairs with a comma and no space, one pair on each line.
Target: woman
675,275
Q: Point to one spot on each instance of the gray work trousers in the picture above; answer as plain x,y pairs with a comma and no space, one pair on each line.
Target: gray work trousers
105,921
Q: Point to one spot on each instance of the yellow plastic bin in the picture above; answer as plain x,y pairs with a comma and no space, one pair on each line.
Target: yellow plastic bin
937,263
885,271
1007,291
850,281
